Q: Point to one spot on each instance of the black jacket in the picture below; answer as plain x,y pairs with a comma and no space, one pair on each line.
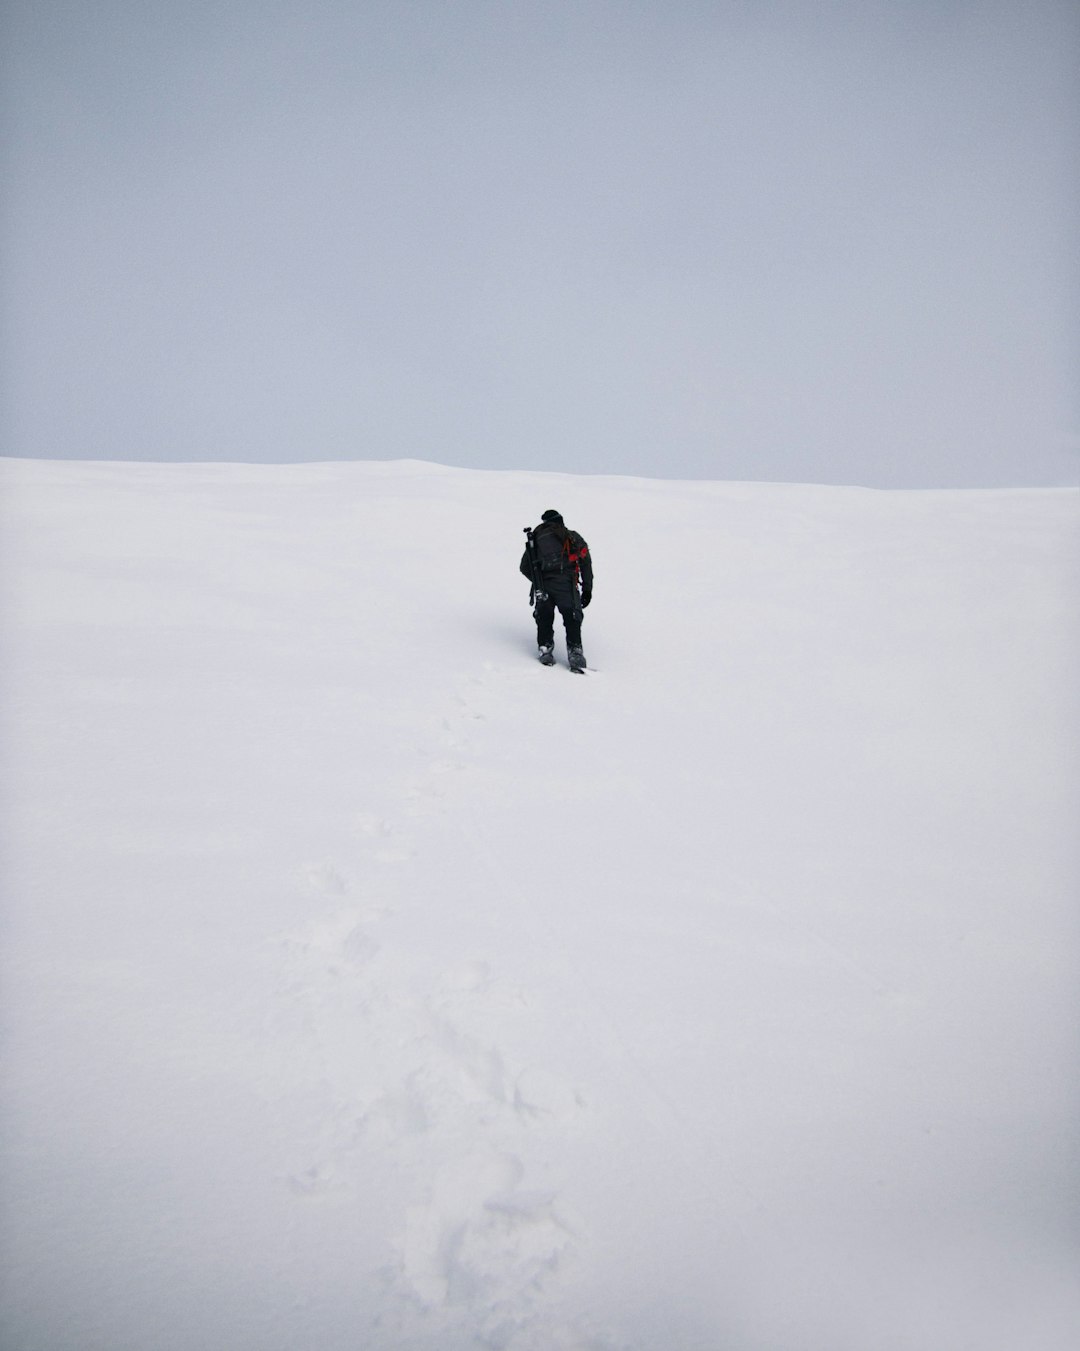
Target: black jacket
577,561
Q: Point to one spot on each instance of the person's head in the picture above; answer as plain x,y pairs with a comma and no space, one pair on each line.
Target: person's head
552,518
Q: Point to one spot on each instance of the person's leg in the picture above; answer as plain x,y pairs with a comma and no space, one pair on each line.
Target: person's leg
545,622
566,597
572,623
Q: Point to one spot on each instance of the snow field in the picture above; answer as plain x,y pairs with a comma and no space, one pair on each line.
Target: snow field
368,986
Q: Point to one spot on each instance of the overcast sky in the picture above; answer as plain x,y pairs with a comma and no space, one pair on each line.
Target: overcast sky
822,241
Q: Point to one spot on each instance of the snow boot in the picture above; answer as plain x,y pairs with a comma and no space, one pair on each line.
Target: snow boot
547,656
577,659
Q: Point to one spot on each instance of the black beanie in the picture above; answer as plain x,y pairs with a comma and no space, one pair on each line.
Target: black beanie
552,516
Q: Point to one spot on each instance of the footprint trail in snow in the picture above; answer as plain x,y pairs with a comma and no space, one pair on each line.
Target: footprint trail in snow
412,1083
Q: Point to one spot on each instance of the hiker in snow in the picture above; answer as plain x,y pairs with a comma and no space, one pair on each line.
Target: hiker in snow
556,561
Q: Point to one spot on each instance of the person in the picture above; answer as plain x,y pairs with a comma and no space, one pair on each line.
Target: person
563,564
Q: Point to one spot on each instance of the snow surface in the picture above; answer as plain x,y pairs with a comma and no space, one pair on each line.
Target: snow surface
367,986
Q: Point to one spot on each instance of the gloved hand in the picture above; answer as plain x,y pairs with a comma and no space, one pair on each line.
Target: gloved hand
586,596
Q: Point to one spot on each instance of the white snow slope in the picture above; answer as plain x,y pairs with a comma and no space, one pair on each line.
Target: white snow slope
367,986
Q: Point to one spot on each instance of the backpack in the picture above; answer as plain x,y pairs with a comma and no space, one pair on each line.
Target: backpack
553,552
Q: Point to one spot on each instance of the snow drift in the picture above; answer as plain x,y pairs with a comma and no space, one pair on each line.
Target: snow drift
367,986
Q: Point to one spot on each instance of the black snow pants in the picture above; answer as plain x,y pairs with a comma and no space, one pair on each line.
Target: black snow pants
562,593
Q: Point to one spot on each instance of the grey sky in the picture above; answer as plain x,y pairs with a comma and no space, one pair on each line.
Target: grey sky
826,242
